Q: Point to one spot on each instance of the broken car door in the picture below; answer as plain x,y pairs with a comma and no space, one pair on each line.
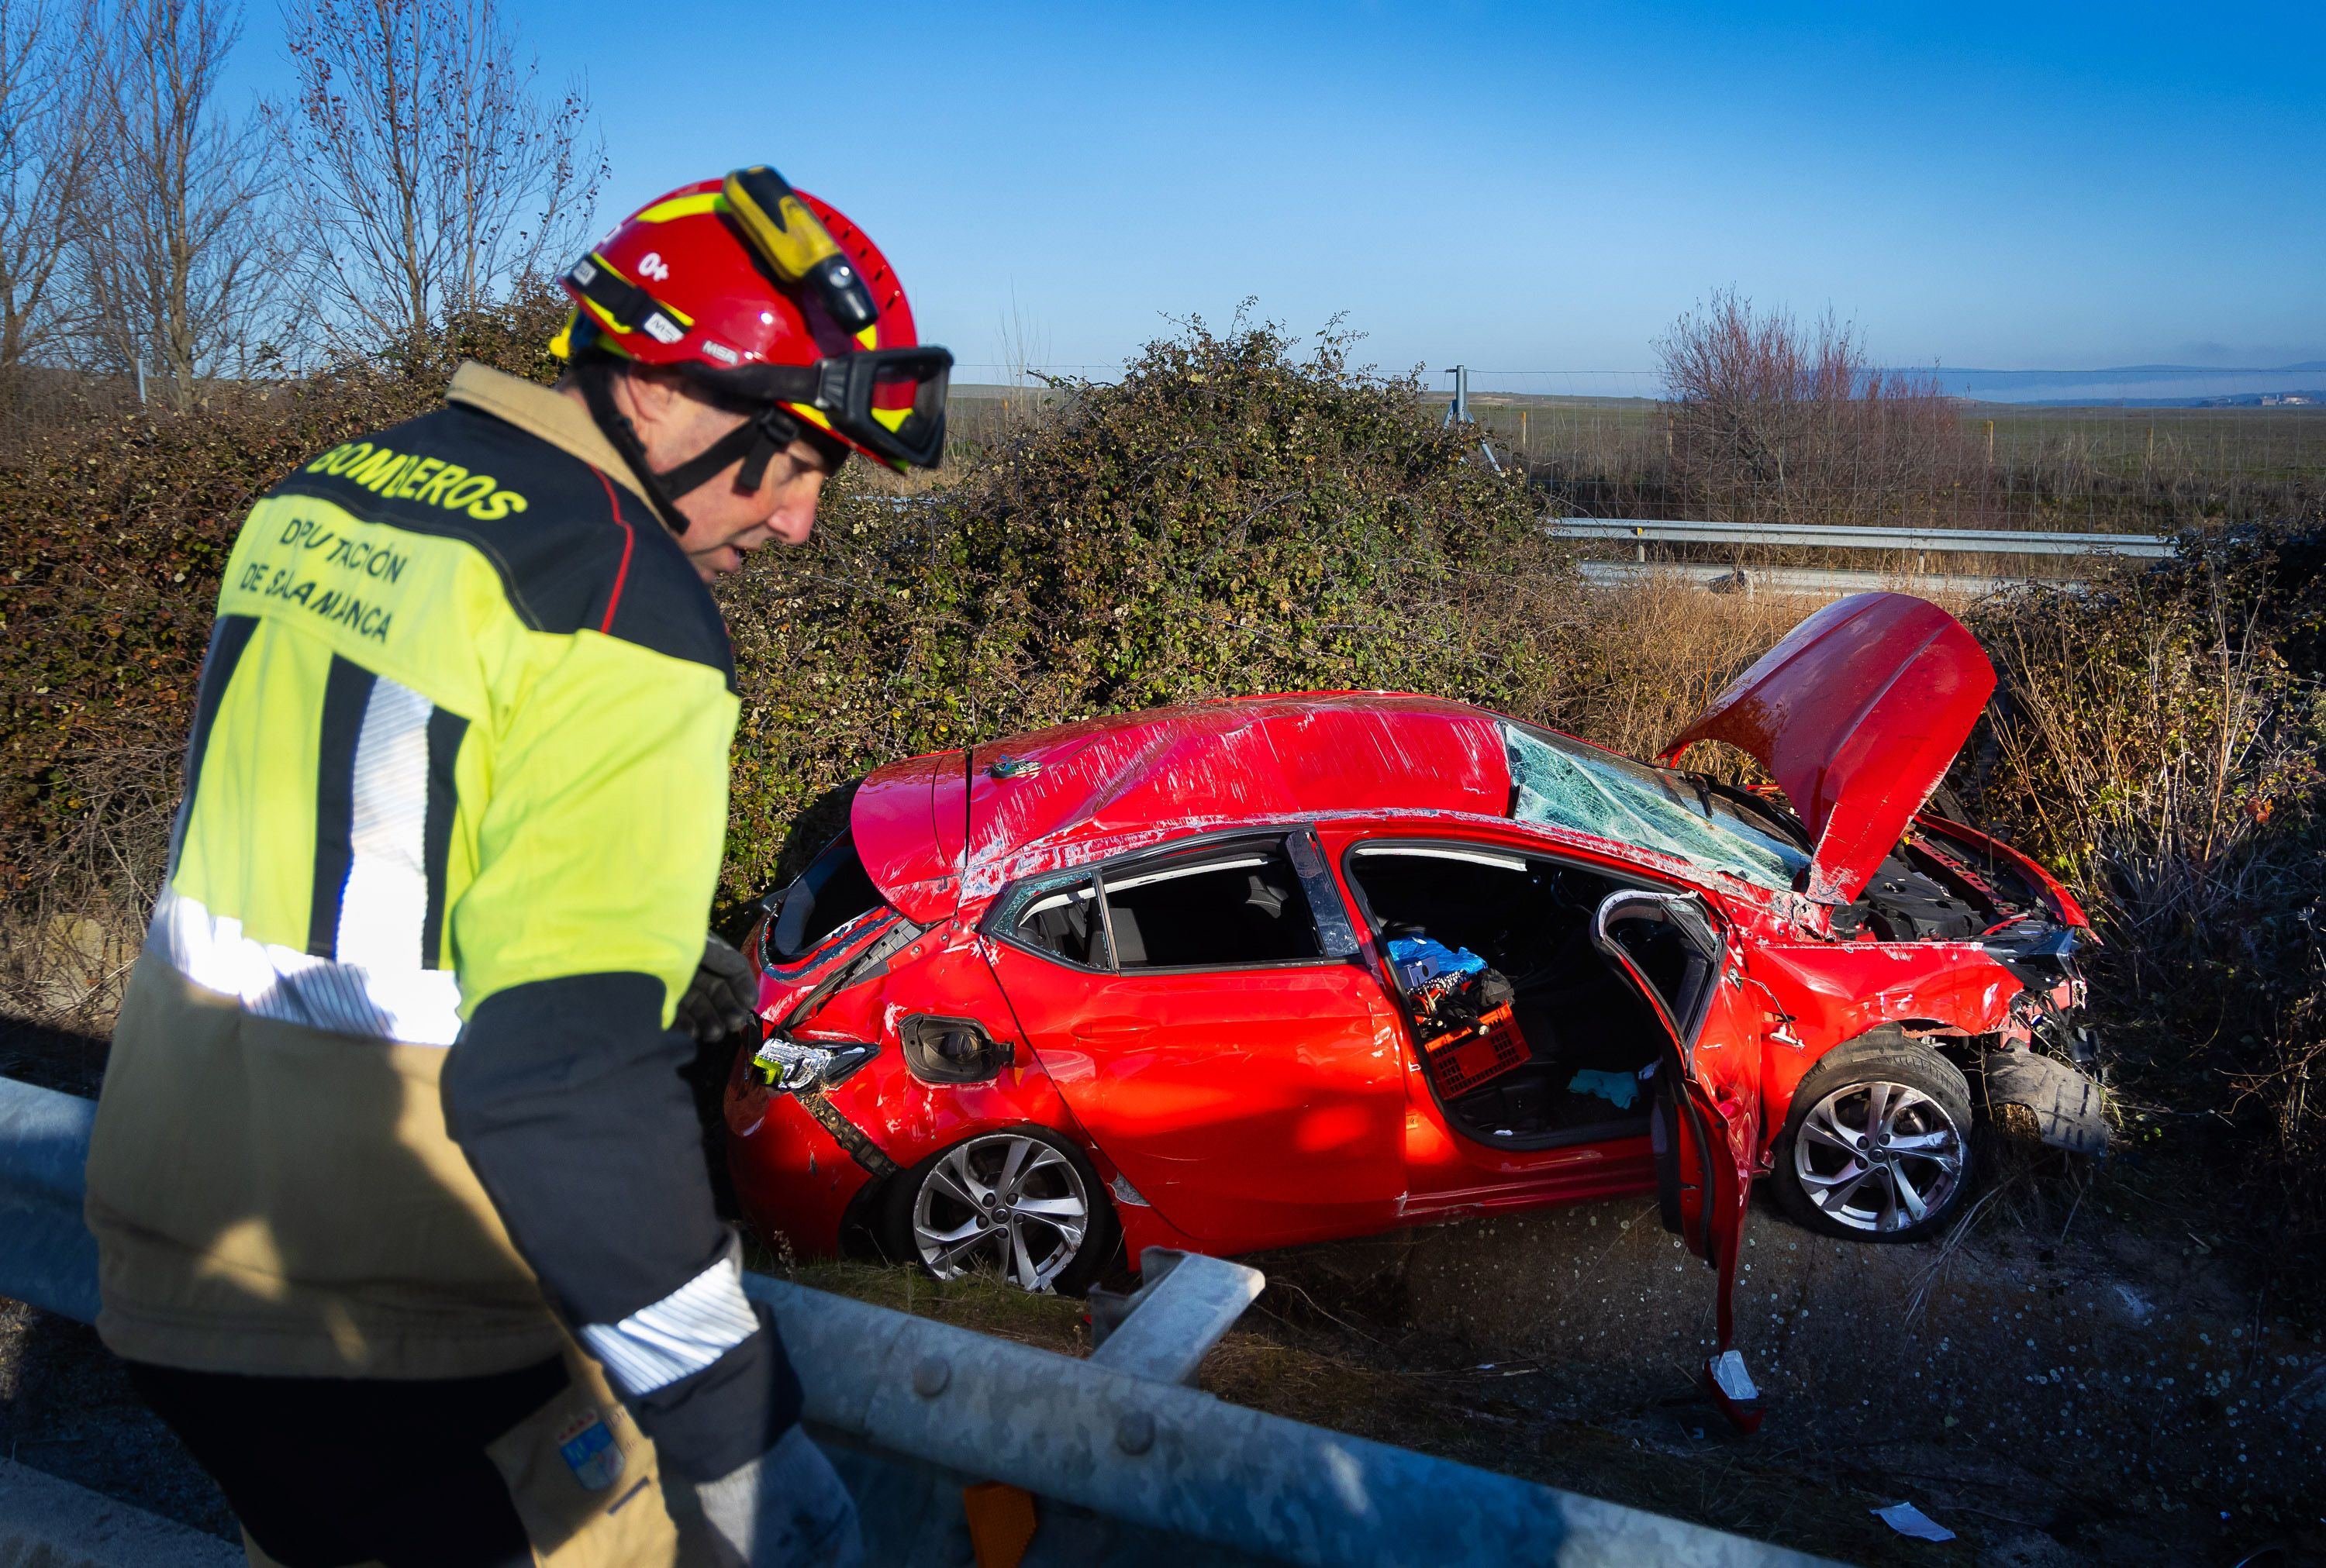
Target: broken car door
1212,1030
1706,1129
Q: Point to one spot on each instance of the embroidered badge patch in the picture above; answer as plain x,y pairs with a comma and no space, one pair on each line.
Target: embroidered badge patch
589,1450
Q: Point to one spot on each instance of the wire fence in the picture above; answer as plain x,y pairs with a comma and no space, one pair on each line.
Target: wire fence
1607,443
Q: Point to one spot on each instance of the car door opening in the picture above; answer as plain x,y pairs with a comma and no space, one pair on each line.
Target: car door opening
1530,1040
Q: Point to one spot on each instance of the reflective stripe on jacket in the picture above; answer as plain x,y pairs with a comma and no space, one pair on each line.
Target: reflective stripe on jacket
393,1090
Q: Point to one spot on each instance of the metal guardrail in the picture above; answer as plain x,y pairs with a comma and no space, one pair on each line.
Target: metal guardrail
47,1255
1812,580
1812,536
1131,1467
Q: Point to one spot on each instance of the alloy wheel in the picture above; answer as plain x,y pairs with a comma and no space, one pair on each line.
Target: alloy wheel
1003,1200
1879,1156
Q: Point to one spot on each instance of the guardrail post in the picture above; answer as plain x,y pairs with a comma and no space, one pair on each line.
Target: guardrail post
1163,1330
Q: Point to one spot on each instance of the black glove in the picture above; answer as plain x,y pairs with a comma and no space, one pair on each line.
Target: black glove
719,1002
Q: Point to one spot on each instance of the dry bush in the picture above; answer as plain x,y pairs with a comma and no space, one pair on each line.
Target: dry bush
1655,652
2162,742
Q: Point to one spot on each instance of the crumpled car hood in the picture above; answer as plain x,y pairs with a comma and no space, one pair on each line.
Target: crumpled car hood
1855,714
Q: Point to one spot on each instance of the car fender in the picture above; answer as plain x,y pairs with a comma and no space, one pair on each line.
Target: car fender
2062,903
941,974
1822,994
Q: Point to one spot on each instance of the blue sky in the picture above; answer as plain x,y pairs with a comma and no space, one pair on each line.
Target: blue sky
1520,187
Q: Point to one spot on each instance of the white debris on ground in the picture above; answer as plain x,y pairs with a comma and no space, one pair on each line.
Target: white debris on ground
1909,1520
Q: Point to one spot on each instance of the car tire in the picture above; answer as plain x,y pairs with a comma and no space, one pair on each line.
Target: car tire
1004,1200
1889,1087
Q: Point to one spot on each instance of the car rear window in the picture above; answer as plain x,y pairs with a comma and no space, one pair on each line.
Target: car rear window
1065,921
831,892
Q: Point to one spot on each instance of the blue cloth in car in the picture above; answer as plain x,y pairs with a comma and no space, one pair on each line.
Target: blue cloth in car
1421,961
1618,1088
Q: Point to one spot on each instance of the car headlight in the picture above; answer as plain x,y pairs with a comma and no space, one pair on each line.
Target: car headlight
792,1067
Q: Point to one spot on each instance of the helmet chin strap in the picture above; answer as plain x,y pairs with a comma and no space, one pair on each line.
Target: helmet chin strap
756,441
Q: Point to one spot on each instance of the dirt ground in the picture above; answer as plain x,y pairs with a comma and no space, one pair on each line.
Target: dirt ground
2105,1398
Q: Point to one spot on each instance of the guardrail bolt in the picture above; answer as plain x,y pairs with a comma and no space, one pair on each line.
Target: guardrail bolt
1134,1432
930,1376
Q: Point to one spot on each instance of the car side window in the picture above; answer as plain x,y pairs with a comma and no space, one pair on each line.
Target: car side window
1221,907
1061,918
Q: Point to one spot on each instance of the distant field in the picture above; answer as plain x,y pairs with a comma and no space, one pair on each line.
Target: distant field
2110,467
2287,442
2107,467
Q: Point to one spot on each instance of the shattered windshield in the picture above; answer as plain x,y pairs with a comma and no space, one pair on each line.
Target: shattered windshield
1567,785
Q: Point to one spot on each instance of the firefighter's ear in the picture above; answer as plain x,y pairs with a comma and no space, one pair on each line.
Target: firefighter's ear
655,396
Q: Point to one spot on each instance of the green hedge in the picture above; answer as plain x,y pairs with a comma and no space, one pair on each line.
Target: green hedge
1233,516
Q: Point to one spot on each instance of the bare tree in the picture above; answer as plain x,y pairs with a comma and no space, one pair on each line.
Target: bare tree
173,260
1771,419
46,136
431,175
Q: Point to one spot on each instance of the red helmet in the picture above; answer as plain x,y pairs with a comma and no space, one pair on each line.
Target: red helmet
768,298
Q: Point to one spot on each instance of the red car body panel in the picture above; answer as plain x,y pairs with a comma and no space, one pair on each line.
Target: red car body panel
1856,714
905,847
1249,1109
1238,1107
793,1180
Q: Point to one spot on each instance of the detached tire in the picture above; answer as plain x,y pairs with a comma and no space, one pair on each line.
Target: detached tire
1877,1146
1023,1203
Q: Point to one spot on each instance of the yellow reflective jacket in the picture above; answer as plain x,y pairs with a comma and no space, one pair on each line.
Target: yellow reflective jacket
394,1091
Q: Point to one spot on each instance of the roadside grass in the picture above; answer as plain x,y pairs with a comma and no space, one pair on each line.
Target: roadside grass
984,1302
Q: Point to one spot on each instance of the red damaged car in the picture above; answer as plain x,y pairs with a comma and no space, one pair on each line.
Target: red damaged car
1279,969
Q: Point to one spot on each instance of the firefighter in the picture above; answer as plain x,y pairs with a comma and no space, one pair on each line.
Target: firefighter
401,1214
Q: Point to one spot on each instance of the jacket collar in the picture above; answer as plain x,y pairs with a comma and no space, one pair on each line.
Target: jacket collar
537,410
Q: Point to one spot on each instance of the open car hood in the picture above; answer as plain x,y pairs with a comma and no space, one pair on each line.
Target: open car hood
1855,714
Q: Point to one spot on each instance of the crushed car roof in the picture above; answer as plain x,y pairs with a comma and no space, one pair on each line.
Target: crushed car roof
1857,713
1228,761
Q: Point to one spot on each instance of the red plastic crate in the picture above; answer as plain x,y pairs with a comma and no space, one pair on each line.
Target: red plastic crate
1463,1059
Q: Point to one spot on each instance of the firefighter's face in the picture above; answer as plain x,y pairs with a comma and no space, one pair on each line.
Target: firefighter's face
725,522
